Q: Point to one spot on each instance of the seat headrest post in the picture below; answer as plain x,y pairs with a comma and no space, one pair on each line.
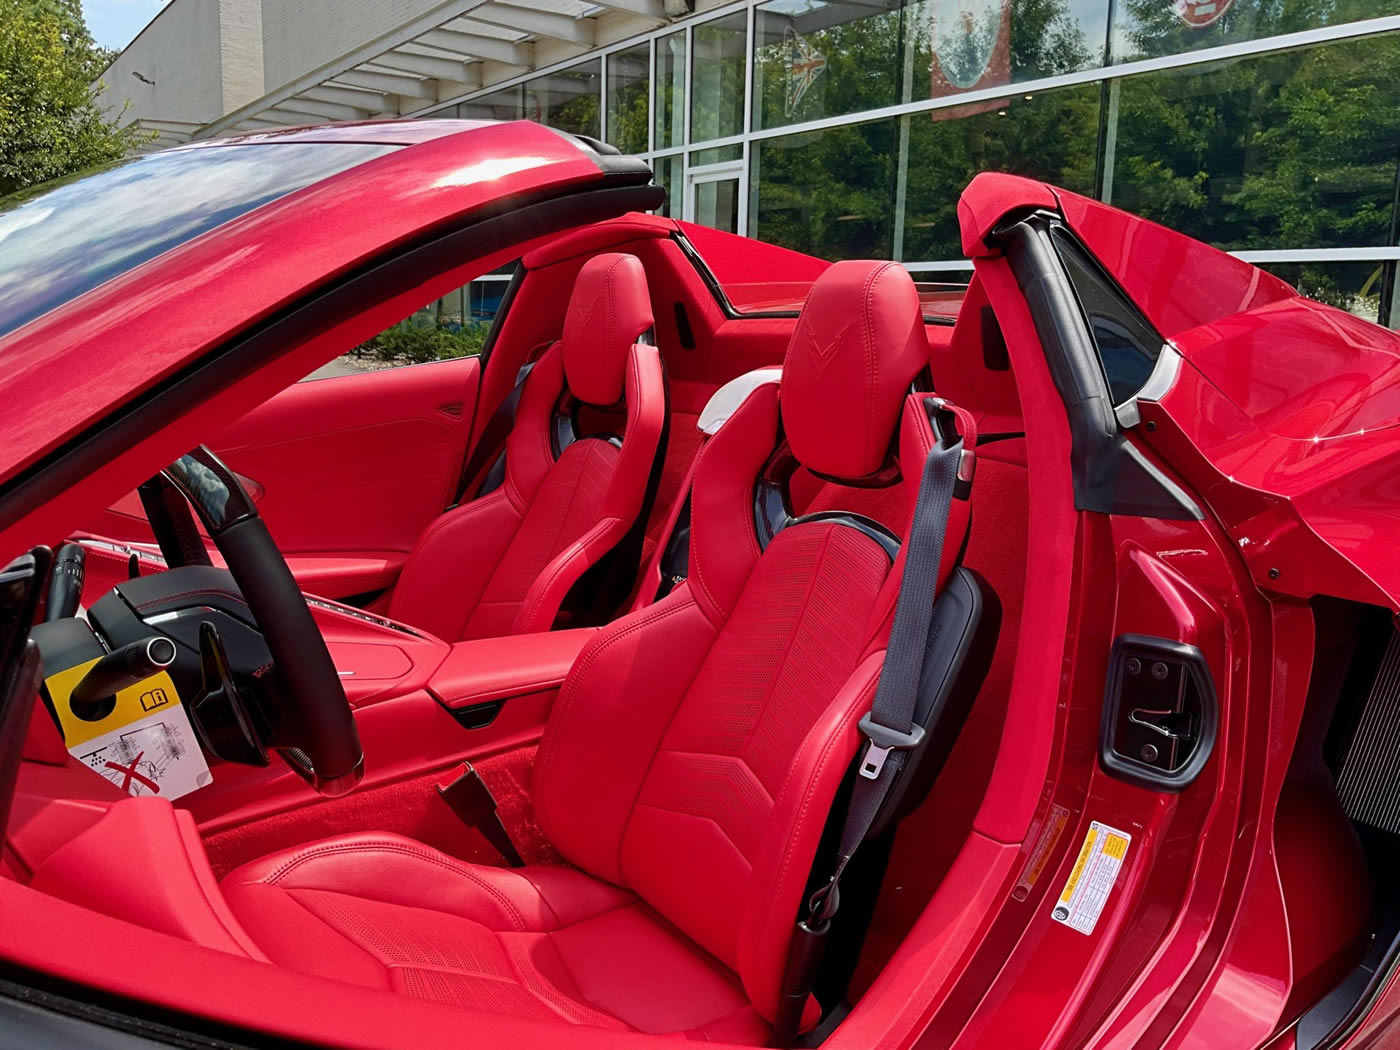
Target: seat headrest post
857,346
609,311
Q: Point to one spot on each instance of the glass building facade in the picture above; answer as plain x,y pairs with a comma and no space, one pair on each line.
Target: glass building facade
847,128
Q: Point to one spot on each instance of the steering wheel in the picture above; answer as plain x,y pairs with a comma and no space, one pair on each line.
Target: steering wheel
315,729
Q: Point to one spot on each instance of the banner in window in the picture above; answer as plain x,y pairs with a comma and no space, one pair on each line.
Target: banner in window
971,50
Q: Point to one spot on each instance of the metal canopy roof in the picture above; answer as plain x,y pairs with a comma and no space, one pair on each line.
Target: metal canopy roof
459,47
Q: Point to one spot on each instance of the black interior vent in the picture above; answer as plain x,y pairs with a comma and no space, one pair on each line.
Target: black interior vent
1369,781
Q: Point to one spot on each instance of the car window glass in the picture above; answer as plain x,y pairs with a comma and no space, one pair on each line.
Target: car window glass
456,325
1126,343
61,240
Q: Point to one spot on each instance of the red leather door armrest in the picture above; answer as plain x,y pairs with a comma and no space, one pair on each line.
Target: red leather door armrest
496,668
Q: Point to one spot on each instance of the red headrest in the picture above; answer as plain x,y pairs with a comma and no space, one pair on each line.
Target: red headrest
609,310
857,346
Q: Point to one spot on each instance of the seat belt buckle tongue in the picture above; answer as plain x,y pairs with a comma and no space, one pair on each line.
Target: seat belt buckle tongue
881,741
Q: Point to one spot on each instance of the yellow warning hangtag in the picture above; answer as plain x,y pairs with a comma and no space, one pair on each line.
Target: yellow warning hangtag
145,744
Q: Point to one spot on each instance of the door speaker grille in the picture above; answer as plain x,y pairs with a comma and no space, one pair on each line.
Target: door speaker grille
1369,782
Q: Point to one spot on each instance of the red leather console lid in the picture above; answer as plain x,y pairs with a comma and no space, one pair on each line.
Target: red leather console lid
494,668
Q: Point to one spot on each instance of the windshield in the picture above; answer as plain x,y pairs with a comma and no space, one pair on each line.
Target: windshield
63,239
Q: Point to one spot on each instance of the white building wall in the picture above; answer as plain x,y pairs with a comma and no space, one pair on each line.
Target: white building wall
203,56
302,35
240,51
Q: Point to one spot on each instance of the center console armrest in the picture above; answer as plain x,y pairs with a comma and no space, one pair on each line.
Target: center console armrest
487,669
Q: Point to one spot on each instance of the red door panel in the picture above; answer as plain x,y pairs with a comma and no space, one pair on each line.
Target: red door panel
346,471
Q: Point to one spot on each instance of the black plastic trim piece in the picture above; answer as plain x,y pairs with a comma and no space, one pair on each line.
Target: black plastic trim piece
772,510
508,223
37,1011
1334,1018
995,357
1124,767
957,656
22,581
1110,474
477,716
888,541
684,333
498,322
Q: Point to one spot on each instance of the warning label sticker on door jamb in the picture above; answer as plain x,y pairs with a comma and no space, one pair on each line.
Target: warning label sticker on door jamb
1095,871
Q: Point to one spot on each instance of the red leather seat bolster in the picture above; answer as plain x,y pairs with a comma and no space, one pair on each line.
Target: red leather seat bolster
504,563
724,546
451,564
622,499
453,561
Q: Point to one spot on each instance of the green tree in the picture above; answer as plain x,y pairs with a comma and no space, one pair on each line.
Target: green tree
1297,149
50,123
833,193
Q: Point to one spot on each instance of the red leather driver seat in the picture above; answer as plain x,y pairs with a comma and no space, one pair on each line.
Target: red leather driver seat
503,563
690,763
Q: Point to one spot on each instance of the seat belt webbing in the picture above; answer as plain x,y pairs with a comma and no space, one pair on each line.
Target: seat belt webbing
889,726
493,439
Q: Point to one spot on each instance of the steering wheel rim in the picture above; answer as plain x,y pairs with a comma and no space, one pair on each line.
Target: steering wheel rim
316,733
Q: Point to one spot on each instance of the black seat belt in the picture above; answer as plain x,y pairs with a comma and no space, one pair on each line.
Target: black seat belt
889,728
493,439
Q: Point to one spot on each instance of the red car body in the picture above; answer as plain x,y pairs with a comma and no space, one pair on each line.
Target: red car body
1243,900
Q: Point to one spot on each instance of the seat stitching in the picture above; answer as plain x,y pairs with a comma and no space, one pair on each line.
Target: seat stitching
716,754
332,849
872,360
344,935
522,982
792,633
571,687
699,816
601,529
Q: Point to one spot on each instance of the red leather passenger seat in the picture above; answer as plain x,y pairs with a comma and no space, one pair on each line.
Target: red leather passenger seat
690,763
503,563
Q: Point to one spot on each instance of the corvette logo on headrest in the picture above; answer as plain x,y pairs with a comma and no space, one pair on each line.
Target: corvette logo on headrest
824,355
584,314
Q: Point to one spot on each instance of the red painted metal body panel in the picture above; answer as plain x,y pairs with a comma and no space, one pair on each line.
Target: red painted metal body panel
1179,283
1289,408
